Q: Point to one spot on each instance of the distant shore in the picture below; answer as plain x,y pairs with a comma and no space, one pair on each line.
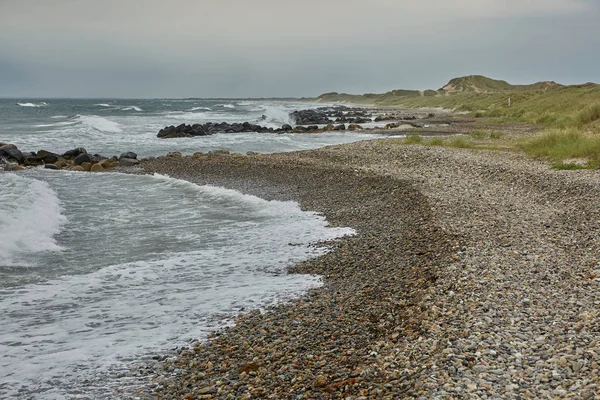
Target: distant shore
472,274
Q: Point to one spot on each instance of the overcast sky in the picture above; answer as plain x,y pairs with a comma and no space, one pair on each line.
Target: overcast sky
264,48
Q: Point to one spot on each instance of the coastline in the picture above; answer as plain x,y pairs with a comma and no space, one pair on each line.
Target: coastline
439,294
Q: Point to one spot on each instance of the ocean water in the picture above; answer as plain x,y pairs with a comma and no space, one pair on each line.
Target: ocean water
99,272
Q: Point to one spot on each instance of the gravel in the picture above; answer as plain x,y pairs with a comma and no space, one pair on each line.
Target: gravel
474,274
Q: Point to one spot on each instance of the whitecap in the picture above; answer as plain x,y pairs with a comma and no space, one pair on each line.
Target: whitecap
30,217
131,108
199,108
99,123
103,105
42,104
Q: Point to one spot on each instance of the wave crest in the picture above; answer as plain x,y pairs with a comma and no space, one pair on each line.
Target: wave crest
30,217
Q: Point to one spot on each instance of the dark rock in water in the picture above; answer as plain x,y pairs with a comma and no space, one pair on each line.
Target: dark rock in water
49,158
168,132
129,154
96,158
32,161
50,166
210,129
81,158
286,127
341,127
71,154
310,117
128,162
11,152
312,128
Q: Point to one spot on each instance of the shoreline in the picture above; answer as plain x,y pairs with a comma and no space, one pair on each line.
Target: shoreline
437,295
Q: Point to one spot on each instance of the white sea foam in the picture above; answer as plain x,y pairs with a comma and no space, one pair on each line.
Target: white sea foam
42,104
227,105
200,108
30,217
99,123
59,116
103,105
277,116
131,108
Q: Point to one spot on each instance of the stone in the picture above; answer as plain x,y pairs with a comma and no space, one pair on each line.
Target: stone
173,154
50,166
11,152
78,168
32,161
320,381
286,127
129,154
81,158
49,158
87,166
354,127
109,163
128,162
97,168
71,154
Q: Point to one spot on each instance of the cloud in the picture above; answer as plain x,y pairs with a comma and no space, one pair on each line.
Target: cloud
283,47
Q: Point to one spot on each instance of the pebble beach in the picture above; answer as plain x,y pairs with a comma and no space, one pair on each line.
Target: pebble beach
473,274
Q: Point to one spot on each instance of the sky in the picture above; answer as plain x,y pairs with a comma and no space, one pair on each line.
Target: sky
284,48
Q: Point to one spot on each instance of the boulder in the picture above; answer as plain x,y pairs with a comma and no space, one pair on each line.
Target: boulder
13,167
129,162
51,166
341,127
168,132
310,117
87,166
32,161
312,128
129,154
354,127
49,158
71,154
109,163
97,168
12,153
78,168
81,158
286,127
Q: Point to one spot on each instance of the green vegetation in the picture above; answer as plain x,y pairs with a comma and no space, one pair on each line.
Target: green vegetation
564,145
569,115
413,139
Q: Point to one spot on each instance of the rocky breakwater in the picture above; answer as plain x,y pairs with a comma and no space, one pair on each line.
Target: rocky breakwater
210,128
13,159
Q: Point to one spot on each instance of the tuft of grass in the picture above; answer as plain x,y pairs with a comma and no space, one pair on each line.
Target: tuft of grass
589,114
436,141
413,139
569,166
496,135
565,144
479,134
459,142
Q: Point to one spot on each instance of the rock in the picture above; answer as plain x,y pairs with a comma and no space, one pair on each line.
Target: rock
312,128
11,152
71,154
392,125
32,161
249,367
310,117
173,154
354,127
286,127
97,168
320,381
341,127
81,158
78,168
129,162
109,163
50,166
13,167
49,158
168,133
86,166
128,154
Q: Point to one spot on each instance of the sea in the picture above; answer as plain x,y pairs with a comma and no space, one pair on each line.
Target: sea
102,272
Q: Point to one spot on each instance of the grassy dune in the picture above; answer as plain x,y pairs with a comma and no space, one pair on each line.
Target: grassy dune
570,115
